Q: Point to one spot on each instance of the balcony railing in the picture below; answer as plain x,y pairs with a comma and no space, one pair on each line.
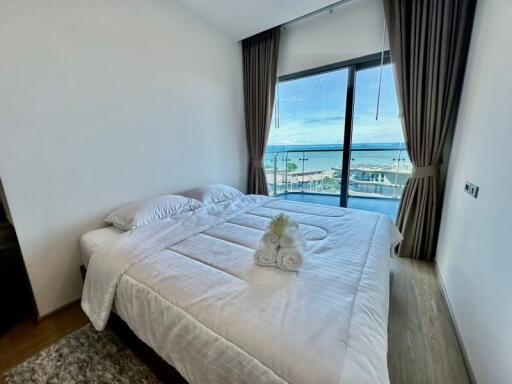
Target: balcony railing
375,172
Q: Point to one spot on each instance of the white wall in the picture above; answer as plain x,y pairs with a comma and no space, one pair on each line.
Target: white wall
475,252
103,102
352,30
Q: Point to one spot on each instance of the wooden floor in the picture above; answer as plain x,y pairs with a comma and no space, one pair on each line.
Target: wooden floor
422,343
27,337
423,347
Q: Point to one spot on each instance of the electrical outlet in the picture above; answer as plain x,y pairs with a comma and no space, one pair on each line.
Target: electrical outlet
471,189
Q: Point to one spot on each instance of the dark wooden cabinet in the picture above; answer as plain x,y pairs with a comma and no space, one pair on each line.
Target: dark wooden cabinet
15,293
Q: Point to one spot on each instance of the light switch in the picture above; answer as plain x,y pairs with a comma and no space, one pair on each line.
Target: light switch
471,189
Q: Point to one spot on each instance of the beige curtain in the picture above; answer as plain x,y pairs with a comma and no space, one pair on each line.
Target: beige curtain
260,53
429,41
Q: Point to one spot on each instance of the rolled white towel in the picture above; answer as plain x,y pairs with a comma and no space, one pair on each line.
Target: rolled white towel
292,238
266,257
270,241
290,259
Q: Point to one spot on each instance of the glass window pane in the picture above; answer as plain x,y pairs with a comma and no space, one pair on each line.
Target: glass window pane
304,154
387,129
379,165
306,135
311,110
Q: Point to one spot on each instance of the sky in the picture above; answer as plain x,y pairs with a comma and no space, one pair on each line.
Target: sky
312,109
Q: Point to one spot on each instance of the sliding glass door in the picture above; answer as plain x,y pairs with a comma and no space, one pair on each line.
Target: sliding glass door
307,135
379,166
336,137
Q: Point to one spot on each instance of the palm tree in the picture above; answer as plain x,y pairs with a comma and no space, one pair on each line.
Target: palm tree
291,167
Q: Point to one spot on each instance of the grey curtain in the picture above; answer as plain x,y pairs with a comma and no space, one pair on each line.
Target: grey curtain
429,41
260,53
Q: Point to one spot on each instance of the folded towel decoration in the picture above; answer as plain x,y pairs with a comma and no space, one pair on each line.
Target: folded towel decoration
266,257
270,241
290,259
282,245
292,238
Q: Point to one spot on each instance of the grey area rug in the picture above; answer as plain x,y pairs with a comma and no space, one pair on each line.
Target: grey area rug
84,356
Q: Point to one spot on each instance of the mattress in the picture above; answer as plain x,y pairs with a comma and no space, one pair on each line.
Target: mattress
91,241
206,309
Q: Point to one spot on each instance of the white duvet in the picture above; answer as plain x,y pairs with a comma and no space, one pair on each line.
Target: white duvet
188,287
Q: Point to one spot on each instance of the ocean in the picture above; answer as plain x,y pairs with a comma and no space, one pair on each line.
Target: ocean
327,156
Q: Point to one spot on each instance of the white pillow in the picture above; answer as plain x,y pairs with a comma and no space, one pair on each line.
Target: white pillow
145,211
211,194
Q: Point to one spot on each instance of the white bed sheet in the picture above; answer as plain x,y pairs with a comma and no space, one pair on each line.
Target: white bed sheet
91,241
210,312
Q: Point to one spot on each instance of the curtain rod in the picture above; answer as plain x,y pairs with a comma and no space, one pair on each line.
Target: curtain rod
324,9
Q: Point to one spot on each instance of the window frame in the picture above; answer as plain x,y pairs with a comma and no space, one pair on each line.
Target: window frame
353,66
363,62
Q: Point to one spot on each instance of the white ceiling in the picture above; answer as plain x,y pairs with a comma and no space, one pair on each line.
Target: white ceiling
244,18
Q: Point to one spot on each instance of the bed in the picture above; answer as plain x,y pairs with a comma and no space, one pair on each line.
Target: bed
189,289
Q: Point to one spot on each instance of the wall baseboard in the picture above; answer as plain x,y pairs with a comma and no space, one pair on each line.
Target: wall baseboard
460,340
49,314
